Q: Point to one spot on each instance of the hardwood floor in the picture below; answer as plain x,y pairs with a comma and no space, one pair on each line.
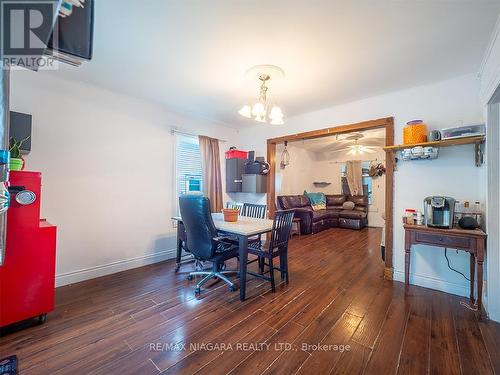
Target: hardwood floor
123,323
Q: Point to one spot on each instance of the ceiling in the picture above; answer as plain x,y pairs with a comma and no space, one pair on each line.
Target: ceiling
191,55
334,143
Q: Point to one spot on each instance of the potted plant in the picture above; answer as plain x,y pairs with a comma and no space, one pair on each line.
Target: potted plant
231,213
16,162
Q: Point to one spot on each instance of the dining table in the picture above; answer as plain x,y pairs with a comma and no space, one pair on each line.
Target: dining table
242,229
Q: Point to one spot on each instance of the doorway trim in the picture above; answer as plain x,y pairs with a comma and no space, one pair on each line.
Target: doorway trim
388,124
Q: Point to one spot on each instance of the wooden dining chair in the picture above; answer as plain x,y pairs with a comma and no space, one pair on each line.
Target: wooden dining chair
254,210
276,246
258,211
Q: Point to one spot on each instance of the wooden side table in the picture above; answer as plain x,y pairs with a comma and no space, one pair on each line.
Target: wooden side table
472,241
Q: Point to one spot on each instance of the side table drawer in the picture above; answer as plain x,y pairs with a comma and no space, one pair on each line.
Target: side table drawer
443,240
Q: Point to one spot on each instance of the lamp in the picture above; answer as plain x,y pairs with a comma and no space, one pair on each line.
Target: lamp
259,111
285,157
246,111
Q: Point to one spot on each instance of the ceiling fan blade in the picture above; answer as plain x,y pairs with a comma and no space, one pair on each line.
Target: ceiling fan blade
369,151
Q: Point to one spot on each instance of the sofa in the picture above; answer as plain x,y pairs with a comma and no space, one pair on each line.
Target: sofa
333,216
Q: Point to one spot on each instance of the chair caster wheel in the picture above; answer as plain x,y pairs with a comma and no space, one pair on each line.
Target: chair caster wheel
190,277
42,318
197,291
232,288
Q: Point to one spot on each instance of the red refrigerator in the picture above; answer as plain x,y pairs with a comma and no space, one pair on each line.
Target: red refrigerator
27,273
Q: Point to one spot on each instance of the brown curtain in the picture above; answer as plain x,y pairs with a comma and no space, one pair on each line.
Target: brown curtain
354,177
210,165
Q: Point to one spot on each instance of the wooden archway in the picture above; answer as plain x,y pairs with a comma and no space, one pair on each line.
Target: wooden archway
388,124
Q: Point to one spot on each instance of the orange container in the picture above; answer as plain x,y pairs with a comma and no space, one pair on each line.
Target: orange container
414,132
230,214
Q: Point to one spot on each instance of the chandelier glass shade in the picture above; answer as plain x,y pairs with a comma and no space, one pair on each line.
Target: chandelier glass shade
261,111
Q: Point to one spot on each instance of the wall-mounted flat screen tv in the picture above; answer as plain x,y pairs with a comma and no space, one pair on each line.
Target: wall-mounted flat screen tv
75,31
20,129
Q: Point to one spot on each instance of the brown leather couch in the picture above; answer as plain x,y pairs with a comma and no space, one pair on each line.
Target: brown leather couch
333,216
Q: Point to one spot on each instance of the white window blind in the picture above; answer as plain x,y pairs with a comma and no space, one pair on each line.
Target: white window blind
188,165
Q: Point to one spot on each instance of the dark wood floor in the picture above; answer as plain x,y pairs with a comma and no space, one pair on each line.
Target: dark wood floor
122,323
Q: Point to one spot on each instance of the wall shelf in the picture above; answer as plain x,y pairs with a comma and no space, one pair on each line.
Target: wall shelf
443,143
477,141
321,183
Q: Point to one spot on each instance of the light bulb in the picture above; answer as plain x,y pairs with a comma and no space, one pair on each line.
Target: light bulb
258,109
246,111
276,113
277,120
261,118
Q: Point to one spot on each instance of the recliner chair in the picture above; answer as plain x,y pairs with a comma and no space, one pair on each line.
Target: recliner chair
204,241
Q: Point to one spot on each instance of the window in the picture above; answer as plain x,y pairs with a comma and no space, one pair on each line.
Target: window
367,180
188,165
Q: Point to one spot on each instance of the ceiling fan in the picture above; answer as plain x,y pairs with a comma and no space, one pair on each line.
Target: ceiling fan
356,148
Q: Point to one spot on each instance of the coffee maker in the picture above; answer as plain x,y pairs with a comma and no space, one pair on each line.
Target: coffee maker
439,212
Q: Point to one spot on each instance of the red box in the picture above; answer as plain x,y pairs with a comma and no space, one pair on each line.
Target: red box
236,154
27,274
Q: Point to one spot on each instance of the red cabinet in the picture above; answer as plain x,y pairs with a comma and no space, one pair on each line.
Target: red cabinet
27,275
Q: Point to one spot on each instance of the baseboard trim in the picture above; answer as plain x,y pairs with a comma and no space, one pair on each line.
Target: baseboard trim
433,283
114,267
388,273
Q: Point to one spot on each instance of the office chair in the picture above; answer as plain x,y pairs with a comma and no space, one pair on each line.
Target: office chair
203,240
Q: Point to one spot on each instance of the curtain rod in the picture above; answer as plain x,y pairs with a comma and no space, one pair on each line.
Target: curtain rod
175,131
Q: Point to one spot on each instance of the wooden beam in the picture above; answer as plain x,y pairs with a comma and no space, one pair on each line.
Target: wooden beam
271,178
389,199
360,126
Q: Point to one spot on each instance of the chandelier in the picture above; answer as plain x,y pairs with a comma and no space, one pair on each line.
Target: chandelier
262,110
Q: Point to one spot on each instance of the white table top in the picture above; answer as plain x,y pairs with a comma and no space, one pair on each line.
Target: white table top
246,226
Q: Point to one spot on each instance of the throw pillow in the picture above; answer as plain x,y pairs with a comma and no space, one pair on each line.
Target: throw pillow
318,200
348,205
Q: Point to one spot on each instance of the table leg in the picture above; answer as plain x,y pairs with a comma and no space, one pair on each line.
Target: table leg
243,254
479,285
480,260
472,273
407,260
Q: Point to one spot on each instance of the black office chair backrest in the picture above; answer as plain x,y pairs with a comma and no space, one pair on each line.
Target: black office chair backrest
200,227
254,210
282,226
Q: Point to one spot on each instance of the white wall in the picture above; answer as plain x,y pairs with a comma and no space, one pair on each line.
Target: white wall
299,175
490,67
107,165
490,93
440,104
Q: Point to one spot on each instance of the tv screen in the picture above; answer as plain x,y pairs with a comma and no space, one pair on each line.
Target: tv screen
20,128
75,30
